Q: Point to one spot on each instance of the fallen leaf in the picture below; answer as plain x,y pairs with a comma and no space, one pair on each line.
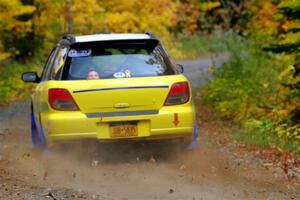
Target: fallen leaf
152,160
26,155
182,167
268,165
95,163
246,193
171,191
45,175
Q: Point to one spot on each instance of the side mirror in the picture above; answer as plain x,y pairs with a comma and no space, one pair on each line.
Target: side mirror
180,68
30,77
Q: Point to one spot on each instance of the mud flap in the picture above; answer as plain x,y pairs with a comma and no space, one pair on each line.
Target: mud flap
194,142
37,137
34,132
42,139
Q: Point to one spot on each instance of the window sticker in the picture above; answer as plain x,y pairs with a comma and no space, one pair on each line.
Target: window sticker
119,75
127,73
63,52
79,53
60,59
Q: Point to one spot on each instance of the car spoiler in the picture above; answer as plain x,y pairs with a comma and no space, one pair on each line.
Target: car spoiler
107,43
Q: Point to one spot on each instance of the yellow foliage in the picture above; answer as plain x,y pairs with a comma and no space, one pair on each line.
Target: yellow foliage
187,18
207,6
291,25
290,38
3,54
140,16
122,22
263,23
9,11
289,71
92,16
86,16
49,21
286,132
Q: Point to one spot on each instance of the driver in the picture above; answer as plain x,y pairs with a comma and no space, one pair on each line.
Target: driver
92,75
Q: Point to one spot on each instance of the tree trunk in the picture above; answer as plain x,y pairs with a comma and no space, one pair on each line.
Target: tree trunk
69,16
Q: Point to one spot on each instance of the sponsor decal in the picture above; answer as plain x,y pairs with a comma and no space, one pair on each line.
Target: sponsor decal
73,53
127,73
119,75
176,120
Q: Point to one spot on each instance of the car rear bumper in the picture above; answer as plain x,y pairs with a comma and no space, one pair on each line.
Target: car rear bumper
170,122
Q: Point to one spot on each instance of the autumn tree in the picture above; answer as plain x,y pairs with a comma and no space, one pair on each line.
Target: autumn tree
14,25
288,43
140,16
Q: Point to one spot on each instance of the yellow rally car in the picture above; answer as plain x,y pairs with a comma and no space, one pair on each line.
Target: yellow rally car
110,87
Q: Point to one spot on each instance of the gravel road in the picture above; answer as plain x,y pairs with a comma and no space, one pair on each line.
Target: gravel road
197,70
132,171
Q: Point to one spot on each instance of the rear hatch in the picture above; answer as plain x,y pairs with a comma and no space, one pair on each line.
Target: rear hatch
127,75
119,95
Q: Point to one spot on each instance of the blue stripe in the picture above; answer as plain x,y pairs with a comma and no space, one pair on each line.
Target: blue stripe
121,88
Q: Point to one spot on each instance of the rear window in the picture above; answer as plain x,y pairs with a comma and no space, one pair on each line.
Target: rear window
124,61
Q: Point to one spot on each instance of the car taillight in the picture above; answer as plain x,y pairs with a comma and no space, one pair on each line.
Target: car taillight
61,99
179,94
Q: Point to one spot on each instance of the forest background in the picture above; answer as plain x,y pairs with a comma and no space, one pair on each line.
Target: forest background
256,90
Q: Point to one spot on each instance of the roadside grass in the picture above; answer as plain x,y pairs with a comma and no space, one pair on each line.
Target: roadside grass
264,137
265,141
261,140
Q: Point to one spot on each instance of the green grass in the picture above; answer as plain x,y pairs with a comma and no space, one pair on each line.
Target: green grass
262,133
265,140
255,132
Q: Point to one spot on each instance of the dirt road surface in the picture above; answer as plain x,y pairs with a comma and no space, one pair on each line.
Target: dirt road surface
130,171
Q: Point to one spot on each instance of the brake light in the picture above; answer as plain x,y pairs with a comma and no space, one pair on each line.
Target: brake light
61,99
179,94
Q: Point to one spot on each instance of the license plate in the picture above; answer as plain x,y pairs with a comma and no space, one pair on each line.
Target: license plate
123,131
